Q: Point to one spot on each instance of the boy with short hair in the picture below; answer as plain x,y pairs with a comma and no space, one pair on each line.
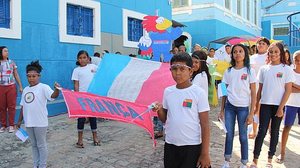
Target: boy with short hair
185,112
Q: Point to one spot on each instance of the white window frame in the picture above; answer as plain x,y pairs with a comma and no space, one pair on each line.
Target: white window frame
230,5
241,8
126,14
64,37
14,32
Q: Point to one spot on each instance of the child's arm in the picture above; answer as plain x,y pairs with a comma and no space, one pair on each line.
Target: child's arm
56,91
17,77
204,158
296,86
253,103
295,90
20,118
221,114
76,85
285,97
258,96
161,112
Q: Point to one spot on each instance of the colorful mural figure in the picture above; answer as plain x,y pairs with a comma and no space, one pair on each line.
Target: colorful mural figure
157,39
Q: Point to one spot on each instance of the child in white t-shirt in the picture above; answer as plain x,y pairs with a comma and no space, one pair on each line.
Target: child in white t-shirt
201,76
185,112
240,80
292,108
275,87
256,61
34,111
82,77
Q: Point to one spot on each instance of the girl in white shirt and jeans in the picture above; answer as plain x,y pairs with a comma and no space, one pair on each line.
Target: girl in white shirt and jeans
275,87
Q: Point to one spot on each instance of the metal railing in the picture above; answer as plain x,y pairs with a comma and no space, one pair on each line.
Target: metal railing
294,29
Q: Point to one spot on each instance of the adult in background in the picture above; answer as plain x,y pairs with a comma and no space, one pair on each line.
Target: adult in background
8,91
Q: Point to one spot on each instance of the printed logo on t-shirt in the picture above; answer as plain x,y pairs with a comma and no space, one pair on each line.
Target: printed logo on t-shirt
279,75
244,77
29,97
187,103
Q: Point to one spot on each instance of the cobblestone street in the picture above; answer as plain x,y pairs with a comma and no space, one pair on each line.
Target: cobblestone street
123,145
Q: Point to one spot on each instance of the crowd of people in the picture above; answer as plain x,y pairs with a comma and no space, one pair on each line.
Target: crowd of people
251,99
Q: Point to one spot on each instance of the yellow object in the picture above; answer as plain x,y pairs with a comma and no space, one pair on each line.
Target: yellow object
164,25
221,67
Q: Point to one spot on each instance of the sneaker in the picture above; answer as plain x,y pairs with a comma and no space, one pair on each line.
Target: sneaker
2,129
243,166
226,165
11,129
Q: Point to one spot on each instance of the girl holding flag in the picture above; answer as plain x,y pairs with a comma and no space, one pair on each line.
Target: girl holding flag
82,77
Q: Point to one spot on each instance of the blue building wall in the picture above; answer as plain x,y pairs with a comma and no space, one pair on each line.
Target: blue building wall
274,15
208,20
40,39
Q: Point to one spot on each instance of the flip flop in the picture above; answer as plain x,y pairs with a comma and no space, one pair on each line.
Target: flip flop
97,143
78,145
253,165
279,159
269,165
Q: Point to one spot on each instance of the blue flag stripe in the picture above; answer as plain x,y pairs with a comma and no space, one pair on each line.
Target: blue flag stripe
113,64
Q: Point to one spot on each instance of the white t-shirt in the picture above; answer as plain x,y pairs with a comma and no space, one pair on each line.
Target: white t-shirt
274,78
294,99
201,80
238,81
34,102
183,108
84,75
258,60
210,60
95,60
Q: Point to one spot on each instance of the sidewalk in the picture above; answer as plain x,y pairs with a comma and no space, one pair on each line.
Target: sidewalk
124,145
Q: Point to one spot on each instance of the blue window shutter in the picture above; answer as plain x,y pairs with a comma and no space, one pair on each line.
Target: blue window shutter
70,19
130,31
79,20
135,29
5,13
87,22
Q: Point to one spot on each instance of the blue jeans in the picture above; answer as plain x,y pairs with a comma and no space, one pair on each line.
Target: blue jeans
158,125
241,113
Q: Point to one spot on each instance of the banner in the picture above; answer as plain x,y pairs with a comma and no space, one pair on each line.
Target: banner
82,104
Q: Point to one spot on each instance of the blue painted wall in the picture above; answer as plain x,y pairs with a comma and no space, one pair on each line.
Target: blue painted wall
276,16
208,20
40,39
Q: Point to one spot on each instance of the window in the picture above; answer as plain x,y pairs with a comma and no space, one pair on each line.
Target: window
5,13
79,21
180,3
248,9
255,12
132,28
227,4
239,7
281,31
135,29
10,19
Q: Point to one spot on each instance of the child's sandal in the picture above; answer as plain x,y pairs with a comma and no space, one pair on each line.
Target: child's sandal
97,143
269,165
279,159
79,145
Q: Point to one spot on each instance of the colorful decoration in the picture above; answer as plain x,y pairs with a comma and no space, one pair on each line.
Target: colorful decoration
158,37
187,103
